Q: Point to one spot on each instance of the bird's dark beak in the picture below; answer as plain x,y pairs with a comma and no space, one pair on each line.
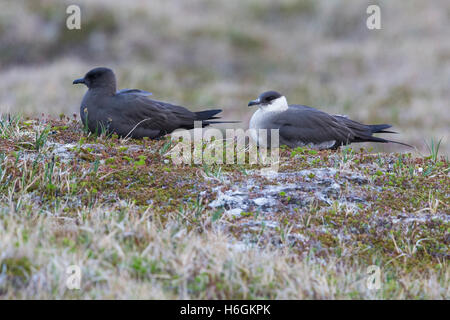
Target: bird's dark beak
81,80
254,102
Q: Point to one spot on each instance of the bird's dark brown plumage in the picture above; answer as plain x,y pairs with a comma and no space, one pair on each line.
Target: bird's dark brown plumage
129,112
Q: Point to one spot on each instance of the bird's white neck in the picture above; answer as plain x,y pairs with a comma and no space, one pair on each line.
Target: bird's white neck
278,105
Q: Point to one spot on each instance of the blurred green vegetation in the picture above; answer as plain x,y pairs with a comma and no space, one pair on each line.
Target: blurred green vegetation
204,53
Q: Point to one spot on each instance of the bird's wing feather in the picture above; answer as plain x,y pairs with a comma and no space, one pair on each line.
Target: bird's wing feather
360,130
137,92
150,115
309,125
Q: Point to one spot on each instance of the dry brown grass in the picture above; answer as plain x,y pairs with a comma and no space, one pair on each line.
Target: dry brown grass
184,264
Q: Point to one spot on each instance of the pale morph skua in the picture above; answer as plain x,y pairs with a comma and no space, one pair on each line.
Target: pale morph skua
305,126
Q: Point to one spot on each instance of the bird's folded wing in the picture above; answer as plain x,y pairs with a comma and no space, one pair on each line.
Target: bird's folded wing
301,123
153,115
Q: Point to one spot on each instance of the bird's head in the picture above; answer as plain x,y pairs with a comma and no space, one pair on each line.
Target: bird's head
99,78
270,99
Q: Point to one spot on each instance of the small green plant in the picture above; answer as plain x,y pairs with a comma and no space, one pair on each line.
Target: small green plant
165,147
347,154
246,214
104,132
214,171
433,148
18,268
198,206
41,137
296,151
48,175
140,161
380,161
86,122
95,166
217,215
9,126
242,169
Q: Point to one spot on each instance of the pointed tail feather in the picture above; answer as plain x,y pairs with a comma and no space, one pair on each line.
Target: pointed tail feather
379,128
403,144
386,131
208,114
378,139
216,122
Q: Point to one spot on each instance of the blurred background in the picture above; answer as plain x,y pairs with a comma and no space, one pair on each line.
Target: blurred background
204,53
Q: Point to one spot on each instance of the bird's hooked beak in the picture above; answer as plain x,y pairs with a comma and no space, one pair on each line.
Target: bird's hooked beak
77,81
254,102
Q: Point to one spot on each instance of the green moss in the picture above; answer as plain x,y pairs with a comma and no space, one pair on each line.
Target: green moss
18,268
